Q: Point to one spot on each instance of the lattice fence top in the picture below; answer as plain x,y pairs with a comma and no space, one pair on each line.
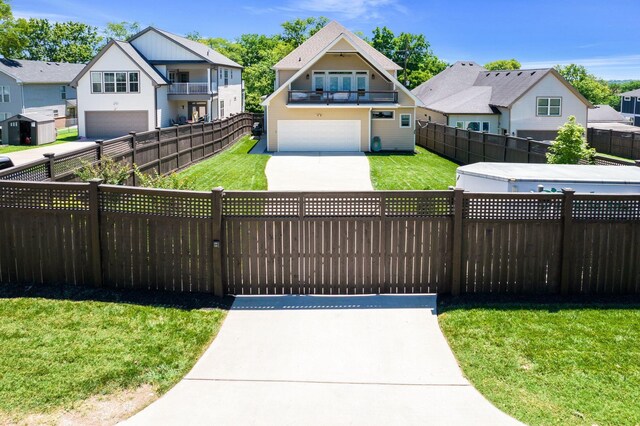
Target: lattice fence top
341,206
260,205
621,209
71,198
73,161
419,205
486,207
156,203
36,172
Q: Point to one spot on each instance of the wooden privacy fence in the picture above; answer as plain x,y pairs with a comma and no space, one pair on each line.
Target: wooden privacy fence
318,243
622,144
467,147
162,150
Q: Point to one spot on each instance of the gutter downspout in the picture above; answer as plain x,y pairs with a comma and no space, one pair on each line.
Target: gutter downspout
370,128
21,94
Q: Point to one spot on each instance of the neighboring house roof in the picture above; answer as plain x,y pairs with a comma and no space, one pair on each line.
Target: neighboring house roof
40,71
205,52
133,54
633,93
605,114
320,40
359,50
37,117
449,91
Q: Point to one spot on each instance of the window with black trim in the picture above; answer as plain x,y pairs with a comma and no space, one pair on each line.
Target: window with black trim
382,115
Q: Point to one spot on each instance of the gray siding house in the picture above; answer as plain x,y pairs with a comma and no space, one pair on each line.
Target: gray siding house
37,86
630,105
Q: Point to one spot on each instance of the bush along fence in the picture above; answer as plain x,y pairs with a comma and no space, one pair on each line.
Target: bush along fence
162,150
467,147
612,142
236,242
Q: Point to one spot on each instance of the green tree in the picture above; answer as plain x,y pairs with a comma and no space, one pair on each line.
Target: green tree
410,51
120,30
597,91
297,31
570,146
39,40
503,64
618,88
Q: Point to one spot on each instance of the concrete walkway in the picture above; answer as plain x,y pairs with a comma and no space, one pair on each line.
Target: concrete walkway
29,155
318,360
318,171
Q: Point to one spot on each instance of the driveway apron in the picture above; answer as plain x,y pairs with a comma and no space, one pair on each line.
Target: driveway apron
318,171
317,360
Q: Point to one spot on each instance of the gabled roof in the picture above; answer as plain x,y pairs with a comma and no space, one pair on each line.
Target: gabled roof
37,117
358,50
40,71
157,78
199,49
320,40
472,100
633,93
605,114
448,89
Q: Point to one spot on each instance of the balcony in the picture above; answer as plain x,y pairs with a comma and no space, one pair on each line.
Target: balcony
313,97
192,89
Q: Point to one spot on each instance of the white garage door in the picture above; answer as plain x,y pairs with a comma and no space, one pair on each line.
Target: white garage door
113,124
318,135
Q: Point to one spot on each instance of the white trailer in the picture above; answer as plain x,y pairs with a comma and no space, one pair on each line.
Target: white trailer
518,177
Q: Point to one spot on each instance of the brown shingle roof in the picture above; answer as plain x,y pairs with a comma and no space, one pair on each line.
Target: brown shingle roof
320,40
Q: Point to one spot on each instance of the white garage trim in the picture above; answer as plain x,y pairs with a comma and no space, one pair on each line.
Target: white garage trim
319,135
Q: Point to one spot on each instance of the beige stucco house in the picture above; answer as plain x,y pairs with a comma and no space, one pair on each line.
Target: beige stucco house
337,93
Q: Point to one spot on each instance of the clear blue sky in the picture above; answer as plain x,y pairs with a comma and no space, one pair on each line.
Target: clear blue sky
602,35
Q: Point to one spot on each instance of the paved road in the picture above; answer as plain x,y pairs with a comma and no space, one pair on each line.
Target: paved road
317,360
318,171
29,155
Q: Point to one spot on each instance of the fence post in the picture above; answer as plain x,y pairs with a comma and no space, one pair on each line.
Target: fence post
611,142
159,130
529,139
456,264
94,231
484,147
100,147
567,222
133,155
216,238
191,143
50,168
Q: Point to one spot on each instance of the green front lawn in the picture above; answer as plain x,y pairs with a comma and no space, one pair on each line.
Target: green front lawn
422,170
232,169
58,350
64,135
548,362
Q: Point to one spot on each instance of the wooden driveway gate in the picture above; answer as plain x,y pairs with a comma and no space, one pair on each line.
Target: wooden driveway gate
337,243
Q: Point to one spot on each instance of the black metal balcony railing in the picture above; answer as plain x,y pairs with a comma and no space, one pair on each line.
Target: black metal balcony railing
343,97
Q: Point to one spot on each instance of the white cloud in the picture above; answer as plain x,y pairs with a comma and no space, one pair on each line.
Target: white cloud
611,68
55,17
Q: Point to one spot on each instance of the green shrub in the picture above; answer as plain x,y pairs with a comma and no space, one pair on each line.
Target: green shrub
570,146
110,171
170,181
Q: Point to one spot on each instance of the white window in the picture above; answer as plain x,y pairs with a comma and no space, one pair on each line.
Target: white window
172,77
627,98
221,109
56,113
549,107
115,82
405,120
4,94
382,115
4,116
341,81
96,82
318,81
459,124
63,92
134,87
473,125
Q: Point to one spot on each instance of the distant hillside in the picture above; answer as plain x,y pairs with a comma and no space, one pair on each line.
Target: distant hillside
619,81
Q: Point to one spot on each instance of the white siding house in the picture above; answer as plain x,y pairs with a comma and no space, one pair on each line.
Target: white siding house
525,103
175,80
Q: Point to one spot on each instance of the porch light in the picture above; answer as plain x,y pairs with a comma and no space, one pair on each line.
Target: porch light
373,76
307,76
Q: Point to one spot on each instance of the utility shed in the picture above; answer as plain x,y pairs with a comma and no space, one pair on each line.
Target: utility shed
516,177
30,128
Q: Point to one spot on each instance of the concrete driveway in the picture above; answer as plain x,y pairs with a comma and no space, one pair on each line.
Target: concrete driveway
318,171
29,155
317,360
